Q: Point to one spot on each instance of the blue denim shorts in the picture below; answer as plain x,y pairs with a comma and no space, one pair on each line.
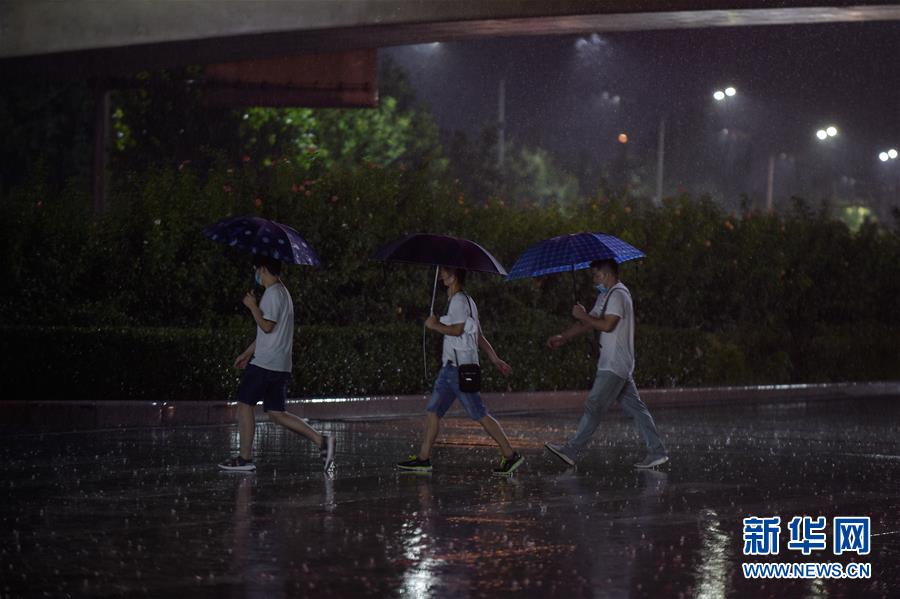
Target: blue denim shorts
446,389
270,386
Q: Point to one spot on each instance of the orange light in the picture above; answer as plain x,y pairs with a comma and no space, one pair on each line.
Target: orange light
623,139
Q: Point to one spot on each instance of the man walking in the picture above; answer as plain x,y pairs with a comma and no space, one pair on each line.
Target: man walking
613,316
267,368
462,338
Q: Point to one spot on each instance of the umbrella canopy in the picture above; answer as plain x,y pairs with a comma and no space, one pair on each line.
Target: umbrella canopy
440,250
570,253
262,237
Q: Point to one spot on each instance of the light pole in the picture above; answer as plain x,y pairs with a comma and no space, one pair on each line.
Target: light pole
891,156
824,135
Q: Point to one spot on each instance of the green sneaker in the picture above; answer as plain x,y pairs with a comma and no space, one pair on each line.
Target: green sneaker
509,465
414,464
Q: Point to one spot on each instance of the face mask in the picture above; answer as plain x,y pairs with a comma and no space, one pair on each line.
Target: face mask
601,288
257,277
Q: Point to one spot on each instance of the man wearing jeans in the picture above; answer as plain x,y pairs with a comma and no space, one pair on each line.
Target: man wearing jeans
462,339
613,316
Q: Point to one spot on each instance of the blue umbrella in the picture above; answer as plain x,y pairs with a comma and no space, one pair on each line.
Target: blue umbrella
262,237
570,253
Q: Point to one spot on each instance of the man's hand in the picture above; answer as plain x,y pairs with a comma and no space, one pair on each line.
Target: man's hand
579,313
242,361
504,368
249,300
556,341
431,322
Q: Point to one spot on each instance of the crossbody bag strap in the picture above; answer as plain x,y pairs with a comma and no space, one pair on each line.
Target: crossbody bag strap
606,300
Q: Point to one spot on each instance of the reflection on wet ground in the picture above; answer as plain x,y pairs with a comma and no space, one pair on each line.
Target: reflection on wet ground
145,512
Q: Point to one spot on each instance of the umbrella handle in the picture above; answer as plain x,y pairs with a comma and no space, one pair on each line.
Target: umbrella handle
434,288
430,312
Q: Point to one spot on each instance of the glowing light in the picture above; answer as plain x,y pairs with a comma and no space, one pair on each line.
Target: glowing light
831,131
719,95
892,153
883,157
730,91
821,134
623,139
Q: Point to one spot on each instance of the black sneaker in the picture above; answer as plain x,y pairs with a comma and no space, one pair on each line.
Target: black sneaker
414,464
238,464
327,452
509,465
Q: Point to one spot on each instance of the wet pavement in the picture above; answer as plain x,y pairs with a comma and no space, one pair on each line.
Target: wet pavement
144,512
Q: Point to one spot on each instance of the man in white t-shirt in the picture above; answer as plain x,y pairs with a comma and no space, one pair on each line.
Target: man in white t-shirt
267,368
613,316
462,338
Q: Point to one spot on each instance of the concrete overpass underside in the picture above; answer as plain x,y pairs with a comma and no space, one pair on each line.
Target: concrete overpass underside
97,38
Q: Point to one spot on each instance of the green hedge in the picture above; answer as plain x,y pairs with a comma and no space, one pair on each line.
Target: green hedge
195,364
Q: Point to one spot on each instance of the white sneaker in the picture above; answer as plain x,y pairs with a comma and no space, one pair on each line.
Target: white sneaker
238,464
652,462
327,452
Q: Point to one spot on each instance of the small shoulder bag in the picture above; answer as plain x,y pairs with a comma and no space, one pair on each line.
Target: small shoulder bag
469,374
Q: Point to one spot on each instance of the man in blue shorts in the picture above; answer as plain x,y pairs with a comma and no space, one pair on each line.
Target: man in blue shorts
462,338
267,368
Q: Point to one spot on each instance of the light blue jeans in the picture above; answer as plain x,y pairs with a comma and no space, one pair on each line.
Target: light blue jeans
609,388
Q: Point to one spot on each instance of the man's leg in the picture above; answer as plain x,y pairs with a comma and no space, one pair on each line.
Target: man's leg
441,399
493,428
246,428
296,424
607,387
432,426
633,405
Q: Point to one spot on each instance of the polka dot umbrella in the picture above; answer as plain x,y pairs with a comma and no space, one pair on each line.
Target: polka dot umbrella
262,237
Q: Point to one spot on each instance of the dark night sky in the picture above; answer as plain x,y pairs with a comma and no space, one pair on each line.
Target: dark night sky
791,80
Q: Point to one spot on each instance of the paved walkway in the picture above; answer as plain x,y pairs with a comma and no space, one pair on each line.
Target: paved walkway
144,512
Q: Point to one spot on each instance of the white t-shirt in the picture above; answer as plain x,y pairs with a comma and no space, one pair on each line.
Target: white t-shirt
273,349
459,310
617,346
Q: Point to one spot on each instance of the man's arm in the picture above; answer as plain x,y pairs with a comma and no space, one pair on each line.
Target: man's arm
262,323
242,360
576,330
453,330
504,368
606,323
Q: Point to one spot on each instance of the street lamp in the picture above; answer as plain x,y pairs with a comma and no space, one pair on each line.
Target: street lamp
892,153
831,131
888,155
728,92
822,134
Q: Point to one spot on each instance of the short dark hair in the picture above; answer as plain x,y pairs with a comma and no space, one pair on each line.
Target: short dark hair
271,264
459,273
610,265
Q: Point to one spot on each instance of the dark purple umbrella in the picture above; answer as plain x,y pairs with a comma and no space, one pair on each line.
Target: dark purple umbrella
262,237
439,250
